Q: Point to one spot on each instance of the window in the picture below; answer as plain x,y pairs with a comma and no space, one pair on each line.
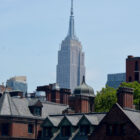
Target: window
122,129
112,130
30,128
130,79
5,129
109,130
84,130
115,129
48,132
39,134
136,76
37,111
66,131
136,66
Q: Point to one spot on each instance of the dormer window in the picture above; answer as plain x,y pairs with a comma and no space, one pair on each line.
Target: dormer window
37,111
66,131
84,130
35,107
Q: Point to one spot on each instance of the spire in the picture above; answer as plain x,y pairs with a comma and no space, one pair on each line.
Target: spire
83,82
71,7
71,32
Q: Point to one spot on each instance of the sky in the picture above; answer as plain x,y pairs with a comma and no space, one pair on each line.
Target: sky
31,32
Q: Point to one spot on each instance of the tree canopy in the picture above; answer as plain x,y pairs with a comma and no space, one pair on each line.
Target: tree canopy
136,86
107,97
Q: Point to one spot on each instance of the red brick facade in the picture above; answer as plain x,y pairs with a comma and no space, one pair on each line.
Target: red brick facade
81,104
18,128
53,95
132,69
125,97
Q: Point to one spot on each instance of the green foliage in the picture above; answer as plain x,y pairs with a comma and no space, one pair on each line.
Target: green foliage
136,86
105,99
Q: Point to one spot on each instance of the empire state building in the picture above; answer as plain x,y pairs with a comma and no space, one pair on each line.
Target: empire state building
70,67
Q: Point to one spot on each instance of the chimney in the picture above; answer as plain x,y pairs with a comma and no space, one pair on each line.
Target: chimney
125,97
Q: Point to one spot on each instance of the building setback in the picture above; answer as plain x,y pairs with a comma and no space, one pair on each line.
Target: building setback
70,67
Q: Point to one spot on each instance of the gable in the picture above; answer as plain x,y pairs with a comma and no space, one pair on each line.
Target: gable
47,123
118,119
115,115
38,104
84,121
65,122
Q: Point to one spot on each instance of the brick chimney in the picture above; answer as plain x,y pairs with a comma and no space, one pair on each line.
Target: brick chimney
125,97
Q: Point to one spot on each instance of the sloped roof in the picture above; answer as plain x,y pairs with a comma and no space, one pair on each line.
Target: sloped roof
74,119
7,106
133,115
11,106
95,118
56,120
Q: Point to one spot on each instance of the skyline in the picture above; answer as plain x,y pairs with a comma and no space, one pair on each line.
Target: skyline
31,33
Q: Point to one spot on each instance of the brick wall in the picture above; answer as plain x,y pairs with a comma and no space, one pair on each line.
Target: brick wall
130,68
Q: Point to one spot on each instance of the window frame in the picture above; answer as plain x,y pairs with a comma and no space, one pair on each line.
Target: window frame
30,127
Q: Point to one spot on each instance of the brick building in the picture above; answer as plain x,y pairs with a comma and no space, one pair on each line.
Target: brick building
82,101
133,69
70,126
55,94
20,118
122,122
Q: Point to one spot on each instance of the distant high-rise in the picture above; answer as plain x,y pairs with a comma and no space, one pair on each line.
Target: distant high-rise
114,80
70,67
17,83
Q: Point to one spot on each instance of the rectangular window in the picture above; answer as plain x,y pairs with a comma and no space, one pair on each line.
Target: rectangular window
84,130
48,132
112,130
66,131
37,111
109,130
122,129
5,129
137,76
30,128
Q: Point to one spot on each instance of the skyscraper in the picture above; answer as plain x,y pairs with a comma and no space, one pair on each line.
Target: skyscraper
70,67
17,83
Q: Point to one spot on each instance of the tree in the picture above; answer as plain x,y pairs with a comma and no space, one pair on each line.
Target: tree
105,99
136,86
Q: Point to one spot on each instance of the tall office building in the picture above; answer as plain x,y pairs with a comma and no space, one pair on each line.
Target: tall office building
70,67
114,80
17,83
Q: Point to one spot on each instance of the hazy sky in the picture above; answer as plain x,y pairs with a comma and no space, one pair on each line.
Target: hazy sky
31,32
